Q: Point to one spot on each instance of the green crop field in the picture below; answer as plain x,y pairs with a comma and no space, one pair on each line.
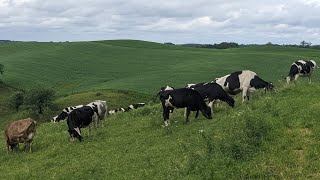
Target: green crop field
274,136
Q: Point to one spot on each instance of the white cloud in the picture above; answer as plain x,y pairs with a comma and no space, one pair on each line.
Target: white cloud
180,21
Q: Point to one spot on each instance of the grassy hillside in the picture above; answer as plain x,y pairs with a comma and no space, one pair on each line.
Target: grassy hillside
275,136
135,65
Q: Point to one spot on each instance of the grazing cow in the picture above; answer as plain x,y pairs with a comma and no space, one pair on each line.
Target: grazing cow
80,118
102,110
163,89
21,131
129,108
211,92
65,112
183,98
301,68
245,81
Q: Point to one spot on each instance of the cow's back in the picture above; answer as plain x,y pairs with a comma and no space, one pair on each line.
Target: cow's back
20,130
186,97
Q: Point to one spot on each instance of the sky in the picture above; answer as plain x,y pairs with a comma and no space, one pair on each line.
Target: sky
176,21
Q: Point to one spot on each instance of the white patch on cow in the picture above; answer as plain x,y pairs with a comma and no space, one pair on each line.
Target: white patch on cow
30,136
168,88
189,85
221,82
78,131
251,89
141,103
122,109
54,119
112,111
166,123
314,63
131,106
167,102
302,61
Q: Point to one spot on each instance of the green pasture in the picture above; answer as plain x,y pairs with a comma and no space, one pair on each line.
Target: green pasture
273,136
73,67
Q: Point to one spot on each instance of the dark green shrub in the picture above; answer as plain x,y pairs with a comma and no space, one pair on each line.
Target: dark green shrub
39,98
16,100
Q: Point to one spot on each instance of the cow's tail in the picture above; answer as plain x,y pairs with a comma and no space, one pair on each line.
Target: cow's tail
156,97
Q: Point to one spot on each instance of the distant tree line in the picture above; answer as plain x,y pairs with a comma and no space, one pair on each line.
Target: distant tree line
223,45
226,45
303,44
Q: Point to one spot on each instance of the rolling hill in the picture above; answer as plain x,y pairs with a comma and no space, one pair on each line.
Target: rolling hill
274,136
135,65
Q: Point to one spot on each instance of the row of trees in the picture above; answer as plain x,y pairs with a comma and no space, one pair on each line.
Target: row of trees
226,45
37,98
223,45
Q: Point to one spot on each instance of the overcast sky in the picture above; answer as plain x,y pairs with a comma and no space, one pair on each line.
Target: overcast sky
177,21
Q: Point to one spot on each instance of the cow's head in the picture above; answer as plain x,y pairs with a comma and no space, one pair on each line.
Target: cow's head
269,87
206,111
230,101
314,63
60,117
75,133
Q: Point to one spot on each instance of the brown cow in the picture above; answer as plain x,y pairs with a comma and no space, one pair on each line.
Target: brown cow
21,131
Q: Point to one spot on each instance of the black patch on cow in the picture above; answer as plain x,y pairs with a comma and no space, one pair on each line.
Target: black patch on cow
233,81
257,82
293,70
66,109
213,91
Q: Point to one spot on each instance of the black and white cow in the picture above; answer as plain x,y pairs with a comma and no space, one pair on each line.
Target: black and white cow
301,68
129,108
102,111
211,92
163,89
246,81
80,118
65,112
183,98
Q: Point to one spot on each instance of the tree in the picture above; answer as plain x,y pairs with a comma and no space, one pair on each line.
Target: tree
39,98
16,100
305,44
1,68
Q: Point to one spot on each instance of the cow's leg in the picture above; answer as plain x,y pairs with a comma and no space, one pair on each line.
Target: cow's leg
185,112
188,113
30,146
244,94
211,104
89,129
288,79
166,114
309,79
197,114
296,77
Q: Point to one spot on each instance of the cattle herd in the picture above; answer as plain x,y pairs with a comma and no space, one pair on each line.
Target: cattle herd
193,97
